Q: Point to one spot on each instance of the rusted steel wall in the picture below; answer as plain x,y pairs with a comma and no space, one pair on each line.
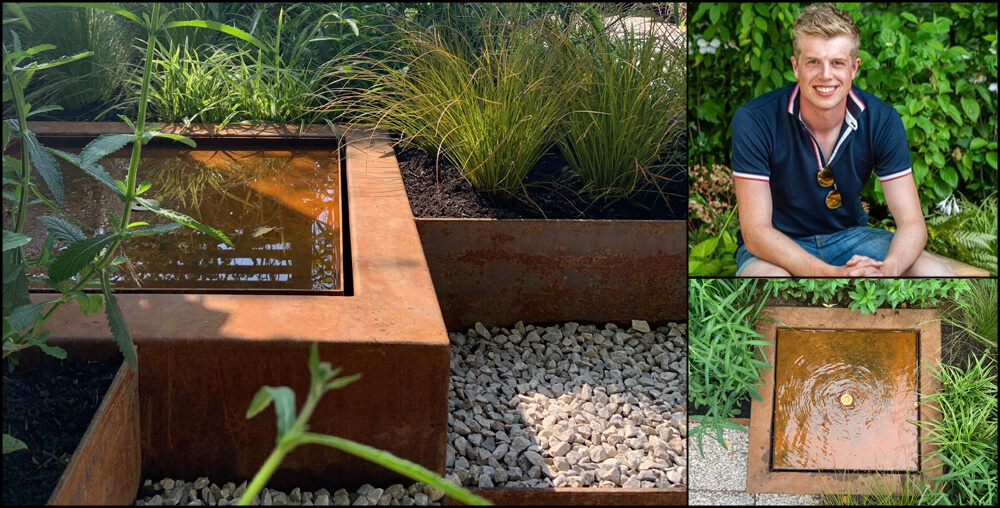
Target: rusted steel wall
544,271
105,469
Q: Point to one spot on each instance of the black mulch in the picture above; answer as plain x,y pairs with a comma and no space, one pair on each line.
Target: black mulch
550,187
49,408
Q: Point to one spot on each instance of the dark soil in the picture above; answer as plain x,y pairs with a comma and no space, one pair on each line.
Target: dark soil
49,408
550,187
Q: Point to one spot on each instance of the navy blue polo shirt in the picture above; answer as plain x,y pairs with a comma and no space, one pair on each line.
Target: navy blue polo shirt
772,144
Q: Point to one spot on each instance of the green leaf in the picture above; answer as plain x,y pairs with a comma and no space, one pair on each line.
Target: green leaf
44,109
53,63
23,316
102,146
89,304
97,5
991,158
12,444
971,108
976,144
78,255
183,219
46,165
157,229
95,170
12,240
236,32
342,382
176,137
55,351
119,329
62,230
706,248
284,406
949,176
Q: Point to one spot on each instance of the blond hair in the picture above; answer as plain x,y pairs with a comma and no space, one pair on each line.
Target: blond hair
826,21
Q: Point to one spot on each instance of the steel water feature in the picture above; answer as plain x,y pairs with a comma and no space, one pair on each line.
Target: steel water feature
844,400
280,208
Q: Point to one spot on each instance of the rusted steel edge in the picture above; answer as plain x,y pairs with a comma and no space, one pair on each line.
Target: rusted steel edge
106,467
580,496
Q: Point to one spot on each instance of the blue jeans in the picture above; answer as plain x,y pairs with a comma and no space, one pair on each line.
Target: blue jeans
835,249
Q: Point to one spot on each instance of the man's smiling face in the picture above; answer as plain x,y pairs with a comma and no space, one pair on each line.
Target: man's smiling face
824,69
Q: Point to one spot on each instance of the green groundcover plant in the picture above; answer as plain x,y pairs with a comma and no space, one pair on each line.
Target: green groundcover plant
966,433
969,236
292,432
867,295
725,353
975,313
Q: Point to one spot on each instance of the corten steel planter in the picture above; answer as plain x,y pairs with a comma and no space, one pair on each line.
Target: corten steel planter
204,356
770,467
544,271
105,469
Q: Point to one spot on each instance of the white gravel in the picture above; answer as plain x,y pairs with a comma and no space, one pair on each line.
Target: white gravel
568,405
170,492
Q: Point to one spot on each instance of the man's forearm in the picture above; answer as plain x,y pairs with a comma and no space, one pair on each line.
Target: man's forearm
777,248
907,244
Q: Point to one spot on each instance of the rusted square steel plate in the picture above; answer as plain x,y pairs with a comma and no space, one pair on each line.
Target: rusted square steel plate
776,463
845,400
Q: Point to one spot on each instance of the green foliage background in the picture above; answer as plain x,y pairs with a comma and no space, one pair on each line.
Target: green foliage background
932,62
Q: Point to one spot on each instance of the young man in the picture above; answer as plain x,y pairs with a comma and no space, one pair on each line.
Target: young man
803,153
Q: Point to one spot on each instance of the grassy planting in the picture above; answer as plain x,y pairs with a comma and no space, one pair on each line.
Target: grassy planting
966,433
976,312
488,104
724,351
629,109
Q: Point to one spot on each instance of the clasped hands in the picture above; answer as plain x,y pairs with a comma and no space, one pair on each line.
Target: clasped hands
861,266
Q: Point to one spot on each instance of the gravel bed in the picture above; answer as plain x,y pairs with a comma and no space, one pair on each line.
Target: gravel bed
170,492
568,405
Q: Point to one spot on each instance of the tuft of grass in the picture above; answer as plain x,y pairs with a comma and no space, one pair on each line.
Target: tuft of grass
975,312
966,433
489,104
880,490
629,109
724,351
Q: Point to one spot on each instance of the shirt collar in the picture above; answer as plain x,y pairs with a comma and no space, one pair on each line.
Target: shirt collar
855,106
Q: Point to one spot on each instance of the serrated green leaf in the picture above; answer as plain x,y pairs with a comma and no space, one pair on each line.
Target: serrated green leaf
183,219
89,303
157,229
75,257
119,329
23,316
102,146
12,240
54,351
46,164
12,444
971,108
95,170
62,230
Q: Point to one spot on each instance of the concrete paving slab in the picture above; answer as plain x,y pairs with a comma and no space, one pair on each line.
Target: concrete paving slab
719,469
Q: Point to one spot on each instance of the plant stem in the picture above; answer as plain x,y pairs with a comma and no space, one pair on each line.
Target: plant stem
265,472
22,126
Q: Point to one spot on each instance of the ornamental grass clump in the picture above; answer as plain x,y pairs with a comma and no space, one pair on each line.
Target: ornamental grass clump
628,111
488,104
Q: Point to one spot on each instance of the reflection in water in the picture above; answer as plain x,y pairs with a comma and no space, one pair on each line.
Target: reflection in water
281,210
842,400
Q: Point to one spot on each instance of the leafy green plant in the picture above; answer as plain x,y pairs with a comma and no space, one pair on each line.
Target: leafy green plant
975,312
715,256
970,236
966,433
629,109
492,110
79,83
867,295
725,353
292,433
